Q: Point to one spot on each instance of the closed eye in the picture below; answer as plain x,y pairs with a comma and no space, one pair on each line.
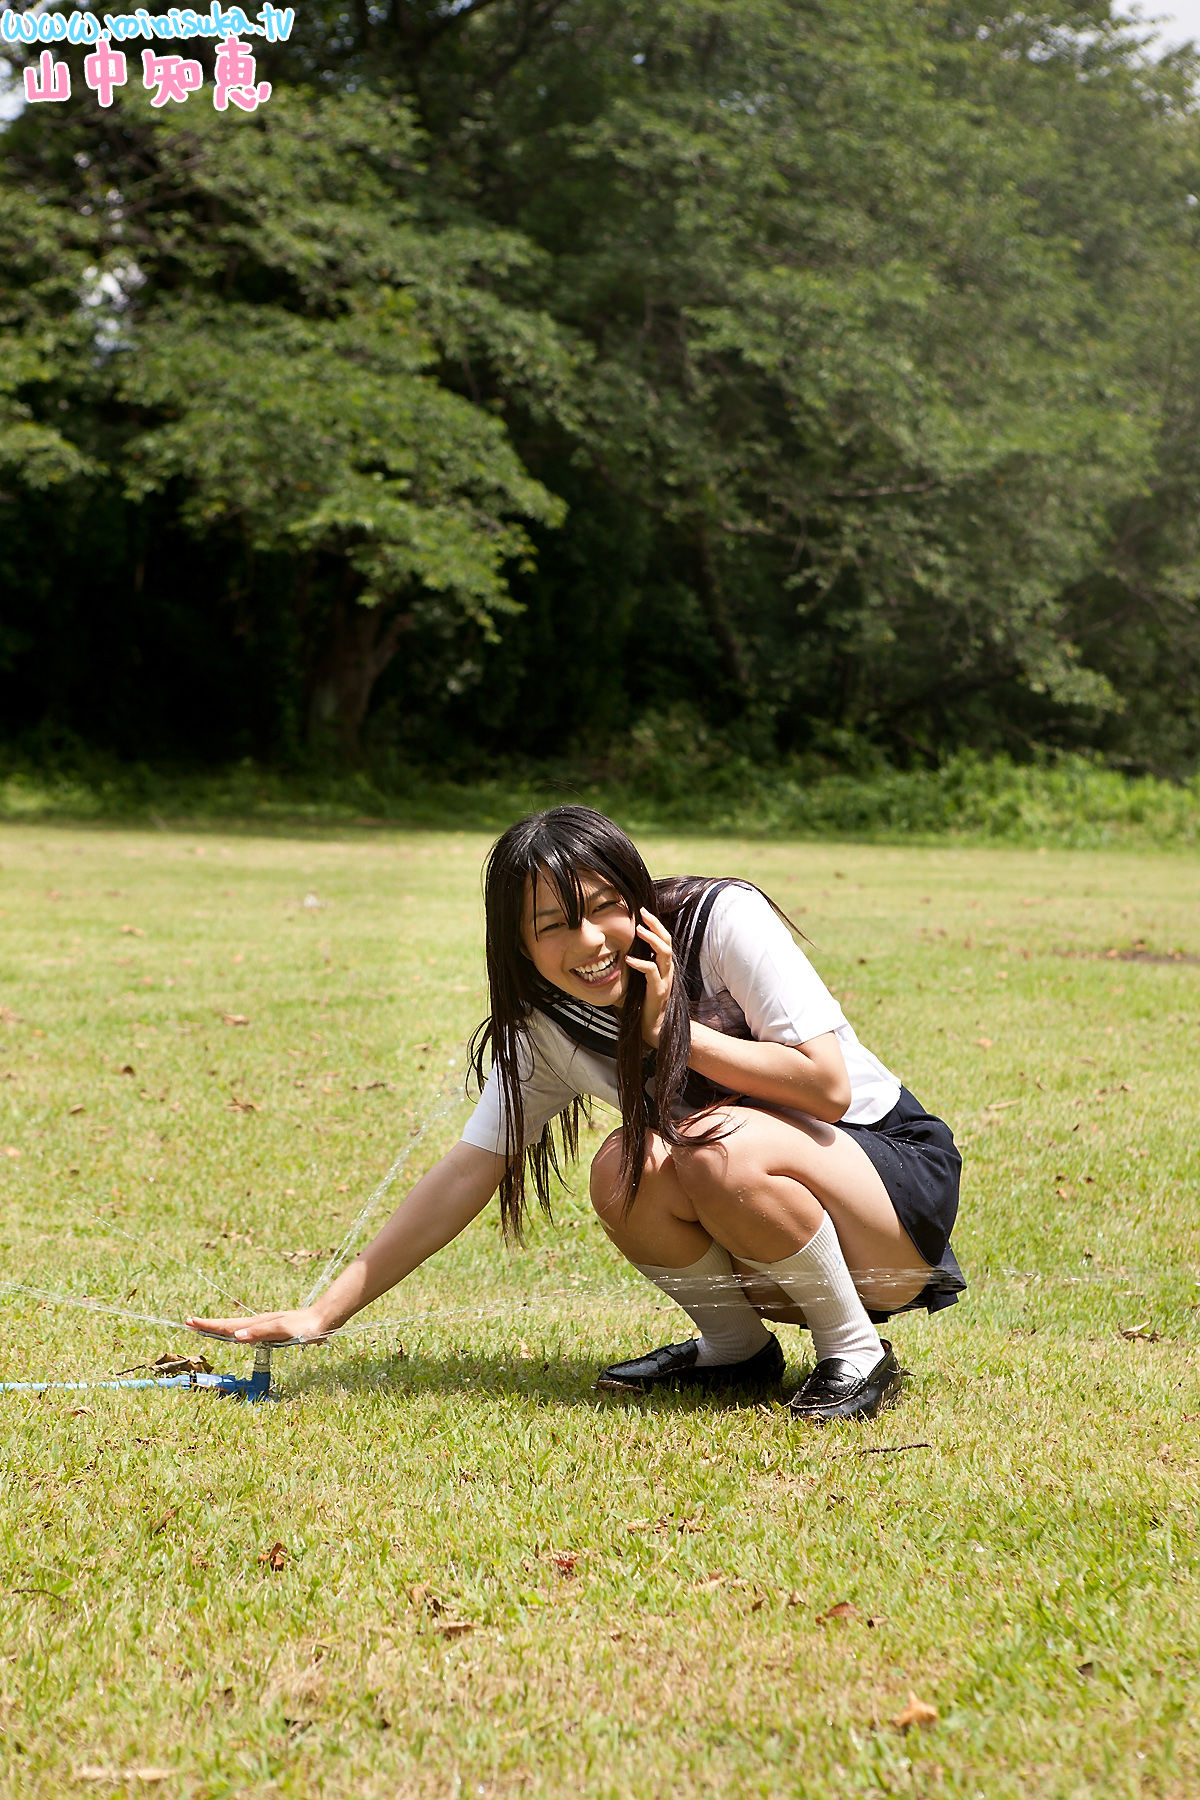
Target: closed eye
598,904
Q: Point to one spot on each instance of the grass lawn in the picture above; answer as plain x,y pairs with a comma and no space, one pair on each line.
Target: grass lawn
491,1581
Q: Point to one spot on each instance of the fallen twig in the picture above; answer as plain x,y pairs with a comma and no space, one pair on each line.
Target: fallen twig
893,1449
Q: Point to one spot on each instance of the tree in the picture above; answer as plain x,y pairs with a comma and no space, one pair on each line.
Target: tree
268,316
844,352
834,325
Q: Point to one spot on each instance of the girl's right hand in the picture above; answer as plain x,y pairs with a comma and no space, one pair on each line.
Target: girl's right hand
303,1325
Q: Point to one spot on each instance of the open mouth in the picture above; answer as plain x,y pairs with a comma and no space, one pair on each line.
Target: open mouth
597,973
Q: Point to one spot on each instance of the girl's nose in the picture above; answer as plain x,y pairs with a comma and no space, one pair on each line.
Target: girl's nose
590,935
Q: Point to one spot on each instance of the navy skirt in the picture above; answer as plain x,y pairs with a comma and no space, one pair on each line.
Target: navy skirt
919,1166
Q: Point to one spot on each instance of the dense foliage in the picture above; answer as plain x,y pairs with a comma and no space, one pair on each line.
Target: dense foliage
818,374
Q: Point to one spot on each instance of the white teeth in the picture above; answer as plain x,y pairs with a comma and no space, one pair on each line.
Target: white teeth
592,971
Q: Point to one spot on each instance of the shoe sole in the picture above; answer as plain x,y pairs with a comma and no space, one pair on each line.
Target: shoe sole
676,1384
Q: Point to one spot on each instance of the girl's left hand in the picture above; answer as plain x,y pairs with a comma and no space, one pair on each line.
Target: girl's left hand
659,972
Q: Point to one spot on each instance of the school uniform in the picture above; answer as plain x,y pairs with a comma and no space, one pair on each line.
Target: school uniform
746,974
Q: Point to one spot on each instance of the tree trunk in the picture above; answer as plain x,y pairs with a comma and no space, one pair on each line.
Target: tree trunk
712,599
360,643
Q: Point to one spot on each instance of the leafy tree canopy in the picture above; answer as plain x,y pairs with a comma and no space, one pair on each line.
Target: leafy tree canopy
827,368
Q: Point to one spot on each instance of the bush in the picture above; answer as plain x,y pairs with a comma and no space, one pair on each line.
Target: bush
669,774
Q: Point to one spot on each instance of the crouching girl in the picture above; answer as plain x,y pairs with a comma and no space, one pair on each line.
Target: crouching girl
767,1166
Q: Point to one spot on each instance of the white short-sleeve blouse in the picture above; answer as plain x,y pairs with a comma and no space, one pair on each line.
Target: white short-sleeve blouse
747,953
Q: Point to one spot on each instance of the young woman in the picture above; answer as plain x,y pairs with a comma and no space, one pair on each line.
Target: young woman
766,1165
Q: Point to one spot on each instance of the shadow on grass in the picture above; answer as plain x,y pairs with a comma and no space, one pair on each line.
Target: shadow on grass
556,1381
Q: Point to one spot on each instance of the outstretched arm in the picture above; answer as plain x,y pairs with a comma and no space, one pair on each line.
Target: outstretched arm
440,1205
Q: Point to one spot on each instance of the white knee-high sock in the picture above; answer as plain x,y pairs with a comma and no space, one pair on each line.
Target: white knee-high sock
710,1295
817,1279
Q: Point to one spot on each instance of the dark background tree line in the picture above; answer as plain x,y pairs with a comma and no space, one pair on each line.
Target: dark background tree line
823,374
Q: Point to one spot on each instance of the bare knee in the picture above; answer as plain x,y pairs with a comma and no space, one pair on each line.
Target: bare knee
658,1175
719,1176
735,1190
704,1169
718,1184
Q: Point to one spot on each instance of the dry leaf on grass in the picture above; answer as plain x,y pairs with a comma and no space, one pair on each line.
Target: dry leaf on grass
1139,1334
984,1043
565,1561
276,1557
424,1599
232,1237
170,1364
423,1596
132,931
238,1105
692,1524
917,1712
126,1069
843,1609
166,1364
235,1018
77,1108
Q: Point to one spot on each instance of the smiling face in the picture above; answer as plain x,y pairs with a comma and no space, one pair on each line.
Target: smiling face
586,960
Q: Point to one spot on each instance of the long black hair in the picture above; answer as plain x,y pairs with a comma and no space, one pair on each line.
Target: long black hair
562,845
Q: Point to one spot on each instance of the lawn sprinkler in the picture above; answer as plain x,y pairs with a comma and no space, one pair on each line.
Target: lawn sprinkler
172,1372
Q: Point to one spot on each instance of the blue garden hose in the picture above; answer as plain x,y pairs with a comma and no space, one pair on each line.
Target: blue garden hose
258,1387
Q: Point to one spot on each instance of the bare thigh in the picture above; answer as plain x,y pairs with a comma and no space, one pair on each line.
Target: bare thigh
775,1167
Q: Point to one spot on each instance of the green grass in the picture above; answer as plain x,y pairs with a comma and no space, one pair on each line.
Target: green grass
1028,1567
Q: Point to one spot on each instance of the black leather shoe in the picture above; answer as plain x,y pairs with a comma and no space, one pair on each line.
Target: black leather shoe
674,1365
835,1390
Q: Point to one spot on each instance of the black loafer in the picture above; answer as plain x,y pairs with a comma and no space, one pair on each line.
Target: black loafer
674,1365
835,1390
